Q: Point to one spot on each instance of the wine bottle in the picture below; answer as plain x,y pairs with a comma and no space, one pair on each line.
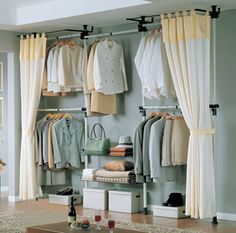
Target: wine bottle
72,212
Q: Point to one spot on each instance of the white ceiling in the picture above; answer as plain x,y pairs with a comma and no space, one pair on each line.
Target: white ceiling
48,15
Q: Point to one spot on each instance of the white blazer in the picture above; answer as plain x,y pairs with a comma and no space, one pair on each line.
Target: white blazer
109,68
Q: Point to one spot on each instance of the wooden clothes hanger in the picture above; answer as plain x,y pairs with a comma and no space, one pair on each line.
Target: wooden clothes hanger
68,116
156,114
71,43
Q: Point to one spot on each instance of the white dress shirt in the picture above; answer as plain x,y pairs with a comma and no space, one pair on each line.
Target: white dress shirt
49,69
160,69
109,68
153,68
56,88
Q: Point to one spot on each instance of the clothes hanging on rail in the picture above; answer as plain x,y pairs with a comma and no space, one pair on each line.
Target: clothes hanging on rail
97,103
64,68
153,68
156,144
60,142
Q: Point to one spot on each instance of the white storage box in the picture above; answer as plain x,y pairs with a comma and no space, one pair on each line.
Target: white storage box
95,198
65,199
169,212
125,201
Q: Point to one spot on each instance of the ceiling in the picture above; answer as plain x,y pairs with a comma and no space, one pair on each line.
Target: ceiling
49,15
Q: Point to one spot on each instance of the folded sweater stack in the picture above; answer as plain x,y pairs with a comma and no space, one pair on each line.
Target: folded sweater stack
121,151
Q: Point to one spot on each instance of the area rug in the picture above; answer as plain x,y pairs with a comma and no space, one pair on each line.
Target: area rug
17,222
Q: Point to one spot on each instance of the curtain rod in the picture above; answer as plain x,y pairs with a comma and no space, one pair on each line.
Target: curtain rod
84,33
83,109
159,15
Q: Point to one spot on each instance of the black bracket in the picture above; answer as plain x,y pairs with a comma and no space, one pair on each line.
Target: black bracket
215,13
214,108
85,31
142,110
141,22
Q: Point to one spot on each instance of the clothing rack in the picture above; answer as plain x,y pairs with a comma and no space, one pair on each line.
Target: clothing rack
141,28
82,110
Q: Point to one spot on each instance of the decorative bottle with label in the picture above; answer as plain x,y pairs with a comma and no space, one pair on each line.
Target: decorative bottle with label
72,212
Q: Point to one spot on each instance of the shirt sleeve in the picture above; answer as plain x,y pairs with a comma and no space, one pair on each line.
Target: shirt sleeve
56,148
49,69
96,73
122,62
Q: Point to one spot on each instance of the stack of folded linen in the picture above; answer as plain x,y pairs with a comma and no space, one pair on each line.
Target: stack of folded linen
119,177
88,174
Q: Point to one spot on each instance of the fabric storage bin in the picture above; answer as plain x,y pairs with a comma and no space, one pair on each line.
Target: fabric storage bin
125,201
65,199
95,198
169,212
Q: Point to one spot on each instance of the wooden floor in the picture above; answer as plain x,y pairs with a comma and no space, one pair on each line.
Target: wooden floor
203,225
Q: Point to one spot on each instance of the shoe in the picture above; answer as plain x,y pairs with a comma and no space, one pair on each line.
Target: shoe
174,200
65,191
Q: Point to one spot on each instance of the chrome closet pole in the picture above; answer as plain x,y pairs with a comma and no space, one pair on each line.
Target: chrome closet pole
86,122
145,211
214,15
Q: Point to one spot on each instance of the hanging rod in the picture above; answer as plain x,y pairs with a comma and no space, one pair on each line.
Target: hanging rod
160,107
213,108
96,35
103,34
83,109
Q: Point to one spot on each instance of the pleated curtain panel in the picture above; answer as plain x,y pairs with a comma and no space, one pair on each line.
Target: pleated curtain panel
32,60
187,40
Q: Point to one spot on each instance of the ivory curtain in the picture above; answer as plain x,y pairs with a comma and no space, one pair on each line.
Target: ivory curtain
187,41
32,58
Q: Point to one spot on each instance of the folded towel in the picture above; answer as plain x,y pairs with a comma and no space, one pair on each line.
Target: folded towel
88,171
122,154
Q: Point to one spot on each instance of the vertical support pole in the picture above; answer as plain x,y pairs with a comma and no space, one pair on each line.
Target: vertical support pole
86,125
214,15
214,58
144,184
145,211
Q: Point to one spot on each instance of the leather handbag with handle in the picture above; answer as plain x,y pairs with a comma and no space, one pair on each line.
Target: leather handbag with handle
97,145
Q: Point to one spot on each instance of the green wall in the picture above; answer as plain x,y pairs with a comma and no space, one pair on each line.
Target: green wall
225,121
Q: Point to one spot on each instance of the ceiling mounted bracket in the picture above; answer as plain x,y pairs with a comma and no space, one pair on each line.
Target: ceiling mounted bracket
142,110
215,13
214,108
141,22
85,31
